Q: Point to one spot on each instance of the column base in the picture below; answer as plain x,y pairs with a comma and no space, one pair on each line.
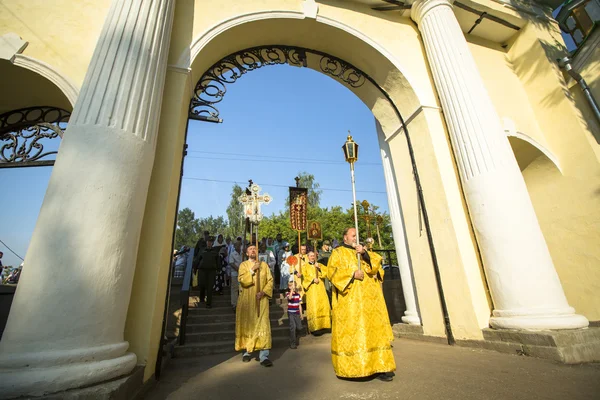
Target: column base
538,319
411,319
37,381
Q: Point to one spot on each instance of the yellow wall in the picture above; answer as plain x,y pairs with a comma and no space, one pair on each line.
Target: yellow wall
567,204
61,33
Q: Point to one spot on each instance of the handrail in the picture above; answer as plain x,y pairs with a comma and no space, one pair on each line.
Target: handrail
185,296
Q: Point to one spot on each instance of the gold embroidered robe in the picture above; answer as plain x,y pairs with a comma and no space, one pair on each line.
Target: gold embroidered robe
318,312
298,280
361,331
252,331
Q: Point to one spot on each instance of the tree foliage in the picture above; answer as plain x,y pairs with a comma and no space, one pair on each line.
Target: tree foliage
188,229
333,220
235,212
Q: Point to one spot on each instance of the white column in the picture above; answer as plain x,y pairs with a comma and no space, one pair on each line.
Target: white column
524,285
67,319
411,316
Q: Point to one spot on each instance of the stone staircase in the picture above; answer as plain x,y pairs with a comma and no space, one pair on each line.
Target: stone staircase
212,330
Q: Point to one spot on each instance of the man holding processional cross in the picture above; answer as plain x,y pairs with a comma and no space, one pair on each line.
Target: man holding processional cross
252,324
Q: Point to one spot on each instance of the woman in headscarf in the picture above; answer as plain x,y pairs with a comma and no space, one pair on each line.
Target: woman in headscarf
220,276
284,268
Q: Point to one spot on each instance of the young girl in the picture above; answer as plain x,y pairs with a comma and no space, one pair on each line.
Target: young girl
294,313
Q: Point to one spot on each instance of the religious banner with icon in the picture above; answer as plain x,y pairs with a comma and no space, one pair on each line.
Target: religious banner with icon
298,208
314,231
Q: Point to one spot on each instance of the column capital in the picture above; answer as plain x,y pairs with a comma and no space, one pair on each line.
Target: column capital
420,8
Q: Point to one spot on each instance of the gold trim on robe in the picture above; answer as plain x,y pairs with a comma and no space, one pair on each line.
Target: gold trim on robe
252,331
361,333
318,311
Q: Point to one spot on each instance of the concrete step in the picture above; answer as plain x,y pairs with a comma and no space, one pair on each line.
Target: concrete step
227,309
210,327
213,318
229,335
225,346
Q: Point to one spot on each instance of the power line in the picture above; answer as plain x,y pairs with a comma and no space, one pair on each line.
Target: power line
11,250
324,161
273,185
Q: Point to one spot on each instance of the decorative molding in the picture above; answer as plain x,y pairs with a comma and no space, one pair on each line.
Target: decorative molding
531,141
69,89
420,8
178,69
188,56
310,9
11,44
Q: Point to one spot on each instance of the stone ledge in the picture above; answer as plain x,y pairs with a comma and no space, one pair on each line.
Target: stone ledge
415,332
124,388
568,347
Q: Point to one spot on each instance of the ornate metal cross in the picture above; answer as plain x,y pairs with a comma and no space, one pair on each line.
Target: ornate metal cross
252,203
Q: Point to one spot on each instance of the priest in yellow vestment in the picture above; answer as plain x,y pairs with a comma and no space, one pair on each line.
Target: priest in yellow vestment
252,324
361,331
297,270
318,312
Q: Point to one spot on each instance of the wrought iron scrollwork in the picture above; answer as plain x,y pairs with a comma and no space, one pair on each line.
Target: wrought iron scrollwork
24,133
343,71
211,87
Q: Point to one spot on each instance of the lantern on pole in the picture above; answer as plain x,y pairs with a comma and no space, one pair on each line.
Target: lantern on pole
351,155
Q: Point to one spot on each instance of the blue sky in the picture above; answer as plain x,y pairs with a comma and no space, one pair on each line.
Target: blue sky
271,116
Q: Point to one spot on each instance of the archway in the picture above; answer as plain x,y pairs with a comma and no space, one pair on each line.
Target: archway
379,97
34,113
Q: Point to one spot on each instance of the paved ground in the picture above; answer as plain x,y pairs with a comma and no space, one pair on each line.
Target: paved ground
425,371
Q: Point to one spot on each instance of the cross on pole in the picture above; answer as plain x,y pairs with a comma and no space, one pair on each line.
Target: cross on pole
253,201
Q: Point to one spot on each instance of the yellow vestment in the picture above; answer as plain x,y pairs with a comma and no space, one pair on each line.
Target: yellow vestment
318,311
297,268
361,331
253,331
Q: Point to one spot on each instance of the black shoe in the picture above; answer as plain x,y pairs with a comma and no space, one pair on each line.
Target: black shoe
266,363
246,358
386,376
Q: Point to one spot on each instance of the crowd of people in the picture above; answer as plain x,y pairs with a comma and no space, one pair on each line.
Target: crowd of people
9,275
338,287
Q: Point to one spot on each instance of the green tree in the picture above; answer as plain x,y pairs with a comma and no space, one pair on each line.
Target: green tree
188,229
235,212
214,225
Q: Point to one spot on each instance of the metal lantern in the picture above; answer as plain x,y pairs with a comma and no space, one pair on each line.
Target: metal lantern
350,150
351,154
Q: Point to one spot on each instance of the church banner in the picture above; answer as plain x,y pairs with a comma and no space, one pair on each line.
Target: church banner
298,208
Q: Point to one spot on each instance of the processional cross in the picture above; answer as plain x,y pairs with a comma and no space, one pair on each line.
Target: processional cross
252,200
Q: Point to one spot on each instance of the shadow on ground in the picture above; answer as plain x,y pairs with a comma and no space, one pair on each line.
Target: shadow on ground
424,371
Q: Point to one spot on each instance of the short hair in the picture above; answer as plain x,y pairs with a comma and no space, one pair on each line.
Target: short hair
347,229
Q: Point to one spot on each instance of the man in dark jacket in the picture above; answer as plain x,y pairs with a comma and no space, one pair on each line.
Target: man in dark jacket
207,269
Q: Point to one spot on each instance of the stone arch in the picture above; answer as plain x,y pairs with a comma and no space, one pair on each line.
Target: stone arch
407,106
527,150
291,28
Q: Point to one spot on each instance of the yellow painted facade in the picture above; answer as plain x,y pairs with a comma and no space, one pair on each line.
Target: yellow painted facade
552,134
